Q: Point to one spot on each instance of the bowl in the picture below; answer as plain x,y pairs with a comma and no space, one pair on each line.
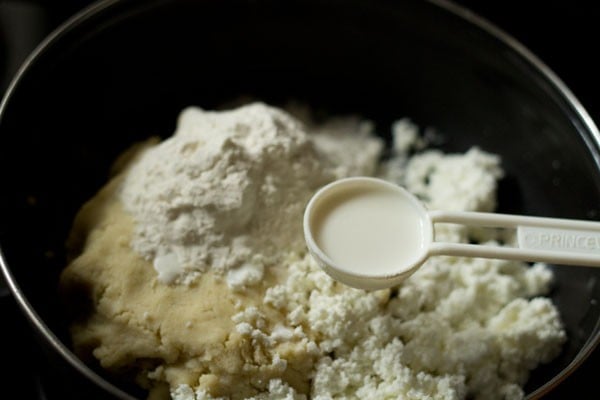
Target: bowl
120,71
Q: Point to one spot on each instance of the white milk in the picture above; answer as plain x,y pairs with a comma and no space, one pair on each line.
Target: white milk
368,230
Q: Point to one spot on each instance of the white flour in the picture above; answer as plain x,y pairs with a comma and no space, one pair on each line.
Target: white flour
227,189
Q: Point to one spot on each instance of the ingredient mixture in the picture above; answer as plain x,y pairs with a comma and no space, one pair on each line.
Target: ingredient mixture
189,272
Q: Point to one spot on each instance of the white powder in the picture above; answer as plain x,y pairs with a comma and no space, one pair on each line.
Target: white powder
227,190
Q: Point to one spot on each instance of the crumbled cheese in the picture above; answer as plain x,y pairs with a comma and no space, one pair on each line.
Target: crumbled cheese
457,182
277,390
406,136
456,328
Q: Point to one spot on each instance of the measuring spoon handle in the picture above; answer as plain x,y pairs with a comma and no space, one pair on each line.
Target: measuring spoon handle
539,239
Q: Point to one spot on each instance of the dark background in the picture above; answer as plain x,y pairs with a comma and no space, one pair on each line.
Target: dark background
562,33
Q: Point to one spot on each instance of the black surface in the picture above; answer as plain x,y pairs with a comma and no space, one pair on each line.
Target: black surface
560,33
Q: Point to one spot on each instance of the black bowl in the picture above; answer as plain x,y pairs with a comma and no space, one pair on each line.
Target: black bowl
121,71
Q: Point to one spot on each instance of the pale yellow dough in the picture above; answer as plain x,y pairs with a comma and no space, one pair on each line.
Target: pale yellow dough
179,334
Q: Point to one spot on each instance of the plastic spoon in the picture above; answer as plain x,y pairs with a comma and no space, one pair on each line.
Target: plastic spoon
371,234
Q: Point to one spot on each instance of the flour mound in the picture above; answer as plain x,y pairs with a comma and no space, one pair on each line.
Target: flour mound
226,192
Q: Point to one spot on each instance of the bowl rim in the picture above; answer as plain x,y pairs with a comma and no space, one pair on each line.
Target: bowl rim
34,318
445,5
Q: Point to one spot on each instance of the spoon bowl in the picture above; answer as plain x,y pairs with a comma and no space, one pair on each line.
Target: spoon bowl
366,232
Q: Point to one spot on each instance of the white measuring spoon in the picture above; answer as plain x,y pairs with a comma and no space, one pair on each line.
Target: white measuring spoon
372,234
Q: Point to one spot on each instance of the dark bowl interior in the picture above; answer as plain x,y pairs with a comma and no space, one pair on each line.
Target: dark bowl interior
123,72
